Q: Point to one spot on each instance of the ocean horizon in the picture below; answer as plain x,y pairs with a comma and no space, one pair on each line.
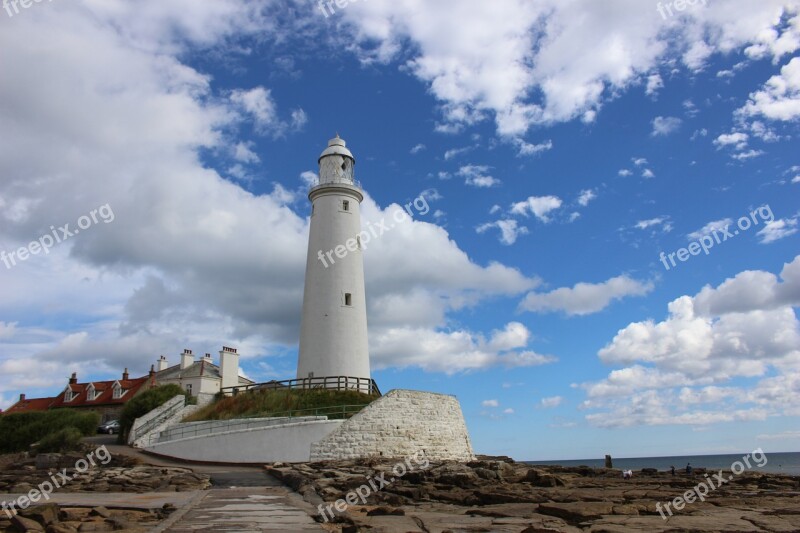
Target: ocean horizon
776,463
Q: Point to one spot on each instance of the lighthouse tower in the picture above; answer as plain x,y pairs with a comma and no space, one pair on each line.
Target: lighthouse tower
333,331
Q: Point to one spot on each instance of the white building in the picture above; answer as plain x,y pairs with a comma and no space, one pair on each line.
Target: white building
201,377
333,332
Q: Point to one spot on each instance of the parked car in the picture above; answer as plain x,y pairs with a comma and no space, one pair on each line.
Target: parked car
110,427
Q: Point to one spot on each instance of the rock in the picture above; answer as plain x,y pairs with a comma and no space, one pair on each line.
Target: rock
44,514
61,528
385,511
649,471
46,461
577,512
95,526
540,479
25,524
100,511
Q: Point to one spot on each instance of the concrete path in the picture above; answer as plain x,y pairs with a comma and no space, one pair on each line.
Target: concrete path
243,499
243,510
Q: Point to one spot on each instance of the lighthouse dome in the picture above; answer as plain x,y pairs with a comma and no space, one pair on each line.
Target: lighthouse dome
337,146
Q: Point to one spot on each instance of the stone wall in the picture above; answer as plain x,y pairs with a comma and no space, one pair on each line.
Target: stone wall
400,424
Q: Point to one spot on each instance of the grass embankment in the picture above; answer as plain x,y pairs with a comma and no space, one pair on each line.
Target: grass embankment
284,402
58,430
144,403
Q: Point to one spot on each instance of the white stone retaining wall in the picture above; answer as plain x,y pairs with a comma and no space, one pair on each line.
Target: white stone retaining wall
400,424
287,442
147,423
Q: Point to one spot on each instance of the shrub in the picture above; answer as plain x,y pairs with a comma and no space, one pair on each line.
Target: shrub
20,430
63,440
143,404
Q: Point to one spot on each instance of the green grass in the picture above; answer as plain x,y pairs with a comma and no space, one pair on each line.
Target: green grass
283,402
18,431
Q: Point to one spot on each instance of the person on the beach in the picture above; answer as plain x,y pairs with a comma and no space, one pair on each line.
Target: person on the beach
672,470
688,468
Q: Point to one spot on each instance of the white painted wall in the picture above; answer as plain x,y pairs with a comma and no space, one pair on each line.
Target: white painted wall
333,336
287,442
401,424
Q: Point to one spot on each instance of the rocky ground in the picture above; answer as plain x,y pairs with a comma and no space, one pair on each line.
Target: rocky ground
500,495
20,474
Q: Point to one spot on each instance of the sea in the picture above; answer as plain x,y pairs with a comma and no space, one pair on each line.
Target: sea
776,463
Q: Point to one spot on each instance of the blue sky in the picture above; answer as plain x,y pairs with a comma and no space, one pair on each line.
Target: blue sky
560,146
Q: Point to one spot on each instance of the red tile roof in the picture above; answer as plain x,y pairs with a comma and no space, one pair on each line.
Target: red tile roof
105,390
33,404
105,396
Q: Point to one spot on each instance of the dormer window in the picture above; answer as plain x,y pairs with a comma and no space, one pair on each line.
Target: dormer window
118,392
69,395
91,393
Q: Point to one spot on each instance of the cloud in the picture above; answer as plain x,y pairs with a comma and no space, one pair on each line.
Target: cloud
586,196
509,230
780,97
663,126
744,329
508,411
663,222
161,276
477,176
585,298
539,206
455,152
778,229
625,173
527,63
550,402
648,174
710,228
654,83
532,149
737,139
639,161
417,149
490,403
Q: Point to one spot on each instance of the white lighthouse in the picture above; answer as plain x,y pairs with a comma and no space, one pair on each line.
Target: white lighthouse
333,331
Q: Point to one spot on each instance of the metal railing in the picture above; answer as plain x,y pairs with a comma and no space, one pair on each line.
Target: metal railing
152,423
364,385
210,427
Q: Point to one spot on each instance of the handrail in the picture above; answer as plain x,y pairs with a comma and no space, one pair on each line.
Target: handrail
365,385
333,412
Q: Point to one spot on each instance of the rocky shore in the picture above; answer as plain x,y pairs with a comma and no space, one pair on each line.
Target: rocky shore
20,474
496,494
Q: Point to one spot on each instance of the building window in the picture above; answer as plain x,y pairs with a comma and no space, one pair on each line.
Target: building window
358,241
345,205
119,392
348,299
189,389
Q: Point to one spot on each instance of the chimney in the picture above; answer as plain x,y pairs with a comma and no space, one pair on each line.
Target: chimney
207,359
229,367
74,379
162,363
152,371
125,374
186,359
22,397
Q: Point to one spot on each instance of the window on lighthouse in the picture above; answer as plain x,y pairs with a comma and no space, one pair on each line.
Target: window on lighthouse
348,299
345,205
